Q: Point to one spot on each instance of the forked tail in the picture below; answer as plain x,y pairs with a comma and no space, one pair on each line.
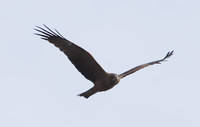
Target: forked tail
88,93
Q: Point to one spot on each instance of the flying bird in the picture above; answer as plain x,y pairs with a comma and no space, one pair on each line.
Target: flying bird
86,64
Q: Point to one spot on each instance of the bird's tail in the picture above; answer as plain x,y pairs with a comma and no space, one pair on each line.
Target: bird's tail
88,93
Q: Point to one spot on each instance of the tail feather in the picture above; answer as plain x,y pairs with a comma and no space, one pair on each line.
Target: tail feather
88,93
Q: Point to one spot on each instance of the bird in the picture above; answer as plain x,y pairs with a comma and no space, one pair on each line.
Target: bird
85,63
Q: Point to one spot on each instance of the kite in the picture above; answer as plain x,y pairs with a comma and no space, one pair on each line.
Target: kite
86,64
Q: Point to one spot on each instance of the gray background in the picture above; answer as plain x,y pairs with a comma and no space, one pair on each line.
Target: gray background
38,84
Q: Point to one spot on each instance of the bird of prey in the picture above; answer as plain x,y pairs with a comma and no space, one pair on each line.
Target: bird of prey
86,64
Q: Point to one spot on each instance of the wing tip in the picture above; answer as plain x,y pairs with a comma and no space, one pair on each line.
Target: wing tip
47,33
169,54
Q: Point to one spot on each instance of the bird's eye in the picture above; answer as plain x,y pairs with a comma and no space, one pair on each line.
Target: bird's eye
113,77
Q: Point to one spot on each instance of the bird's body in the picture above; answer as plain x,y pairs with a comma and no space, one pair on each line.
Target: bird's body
103,84
86,64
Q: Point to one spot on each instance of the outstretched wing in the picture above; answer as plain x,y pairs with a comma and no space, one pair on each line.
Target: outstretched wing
81,59
145,65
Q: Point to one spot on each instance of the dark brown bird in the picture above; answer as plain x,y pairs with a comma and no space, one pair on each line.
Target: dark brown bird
86,64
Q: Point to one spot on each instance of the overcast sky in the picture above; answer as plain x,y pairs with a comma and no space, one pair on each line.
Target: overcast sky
39,85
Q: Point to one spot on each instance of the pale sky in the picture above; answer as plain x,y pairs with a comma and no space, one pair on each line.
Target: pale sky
39,85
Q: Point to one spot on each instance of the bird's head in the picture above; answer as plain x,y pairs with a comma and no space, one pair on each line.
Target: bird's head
113,79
